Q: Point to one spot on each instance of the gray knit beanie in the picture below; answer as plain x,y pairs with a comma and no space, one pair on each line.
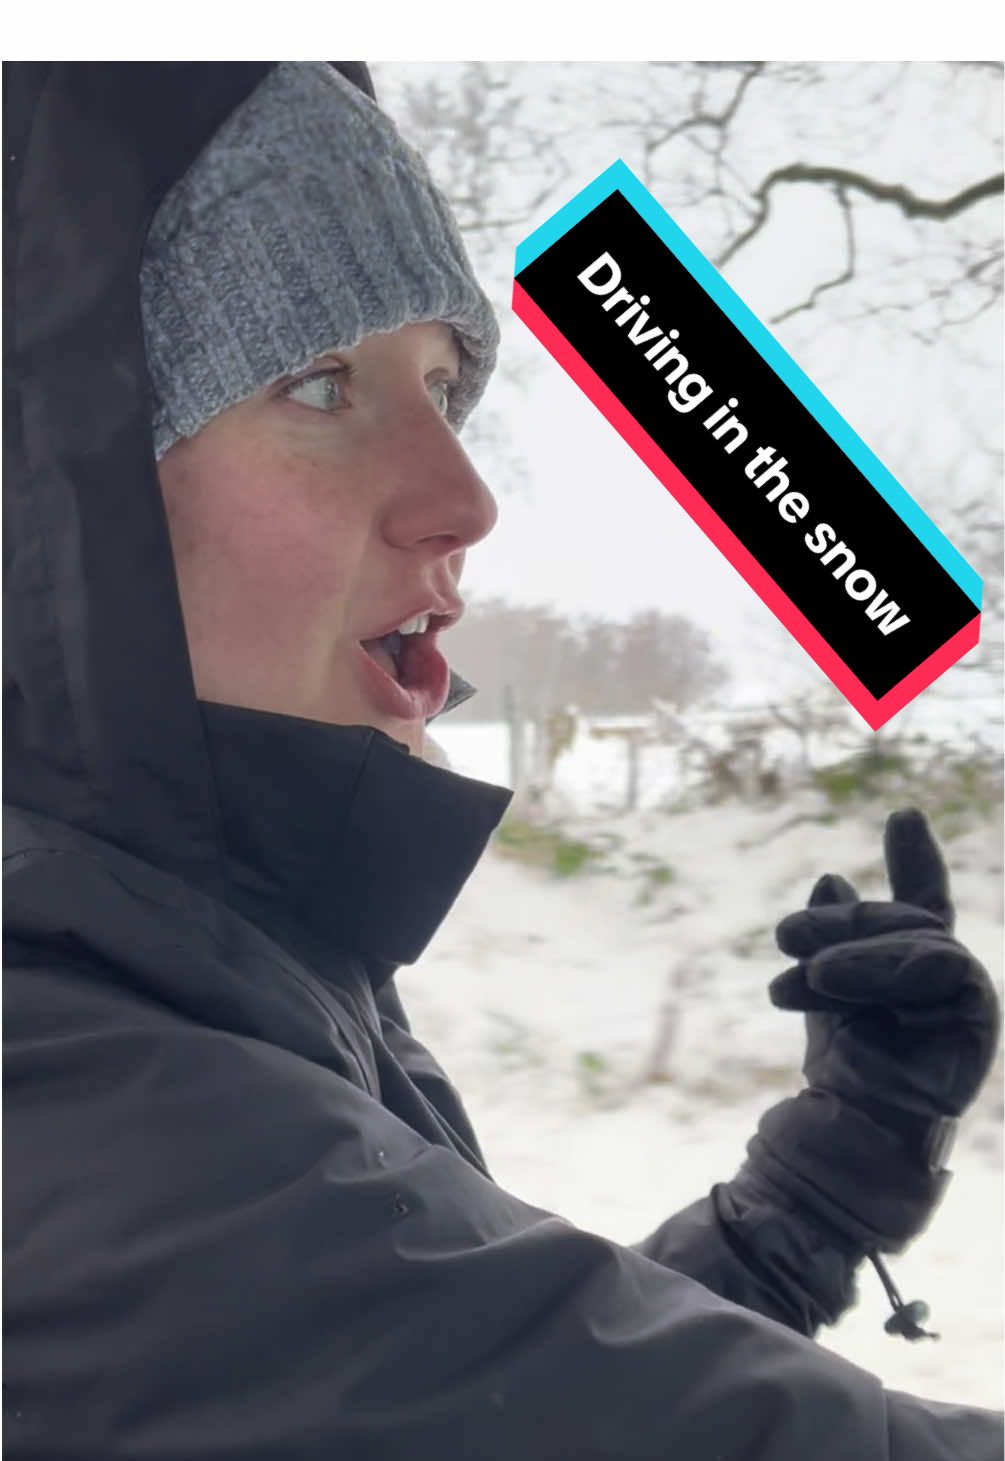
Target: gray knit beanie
306,224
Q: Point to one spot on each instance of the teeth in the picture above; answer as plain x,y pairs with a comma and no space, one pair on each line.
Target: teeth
418,625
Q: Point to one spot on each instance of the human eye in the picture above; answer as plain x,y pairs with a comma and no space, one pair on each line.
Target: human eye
322,390
440,390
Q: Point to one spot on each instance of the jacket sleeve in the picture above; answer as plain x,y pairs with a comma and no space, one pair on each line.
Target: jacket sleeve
220,1248
744,1241
757,1247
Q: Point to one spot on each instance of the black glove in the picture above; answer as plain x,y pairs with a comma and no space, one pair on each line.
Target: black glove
902,1026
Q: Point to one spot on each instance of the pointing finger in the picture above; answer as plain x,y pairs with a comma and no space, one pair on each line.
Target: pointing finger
914,865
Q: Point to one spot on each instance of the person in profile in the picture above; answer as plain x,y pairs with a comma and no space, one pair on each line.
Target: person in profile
247,1215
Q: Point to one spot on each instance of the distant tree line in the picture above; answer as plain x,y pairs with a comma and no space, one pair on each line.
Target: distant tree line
546,661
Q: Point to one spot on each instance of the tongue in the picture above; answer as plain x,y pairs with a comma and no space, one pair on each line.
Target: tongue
383,651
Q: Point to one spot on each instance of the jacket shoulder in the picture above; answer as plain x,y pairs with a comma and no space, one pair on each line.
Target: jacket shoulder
88,924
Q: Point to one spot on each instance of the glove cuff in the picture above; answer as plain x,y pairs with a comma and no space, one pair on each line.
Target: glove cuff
930,1138
859,1175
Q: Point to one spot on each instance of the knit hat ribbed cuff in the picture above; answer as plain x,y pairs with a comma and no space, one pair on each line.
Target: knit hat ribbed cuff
305,225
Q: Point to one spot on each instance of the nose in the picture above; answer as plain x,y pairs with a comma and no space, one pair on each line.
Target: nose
440,503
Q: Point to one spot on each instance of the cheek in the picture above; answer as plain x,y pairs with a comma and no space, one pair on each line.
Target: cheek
259,543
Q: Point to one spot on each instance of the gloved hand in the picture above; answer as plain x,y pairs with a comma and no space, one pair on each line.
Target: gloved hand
902,1026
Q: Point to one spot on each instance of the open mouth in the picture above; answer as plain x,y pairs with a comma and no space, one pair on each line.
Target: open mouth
400,655
414,673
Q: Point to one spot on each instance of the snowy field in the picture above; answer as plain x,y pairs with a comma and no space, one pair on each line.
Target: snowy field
543,997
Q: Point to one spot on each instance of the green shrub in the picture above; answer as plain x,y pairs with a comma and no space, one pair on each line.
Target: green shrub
593,1072
864,775
544,847
955,791
656,876
569,858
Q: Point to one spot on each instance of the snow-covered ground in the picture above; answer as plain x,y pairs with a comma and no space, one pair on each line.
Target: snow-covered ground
543,995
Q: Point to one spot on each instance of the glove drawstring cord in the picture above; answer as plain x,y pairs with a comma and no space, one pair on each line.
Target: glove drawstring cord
906,1319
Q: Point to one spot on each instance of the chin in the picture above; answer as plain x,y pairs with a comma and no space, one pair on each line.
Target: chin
407,733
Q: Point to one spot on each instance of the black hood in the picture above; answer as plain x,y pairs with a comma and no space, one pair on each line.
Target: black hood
103,730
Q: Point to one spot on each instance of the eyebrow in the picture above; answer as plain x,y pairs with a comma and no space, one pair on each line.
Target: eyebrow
330,357
448,370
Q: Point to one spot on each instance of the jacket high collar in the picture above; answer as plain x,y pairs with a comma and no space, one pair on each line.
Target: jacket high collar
338,839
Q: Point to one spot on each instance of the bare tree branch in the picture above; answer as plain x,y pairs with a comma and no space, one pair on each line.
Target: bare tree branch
909,203
702,119
846,274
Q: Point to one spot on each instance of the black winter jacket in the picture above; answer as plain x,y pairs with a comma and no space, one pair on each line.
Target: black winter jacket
246,1215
